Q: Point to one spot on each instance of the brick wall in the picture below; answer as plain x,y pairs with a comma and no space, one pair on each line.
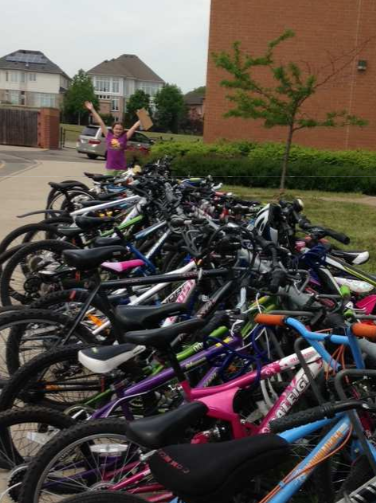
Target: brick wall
48,128
326,27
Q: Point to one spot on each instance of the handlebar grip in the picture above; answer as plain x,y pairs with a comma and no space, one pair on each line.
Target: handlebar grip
301,418
270,319
304,223
364,330
338,236
278,279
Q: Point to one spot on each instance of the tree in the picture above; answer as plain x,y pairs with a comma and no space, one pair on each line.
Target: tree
80,90
170,108
281,105
198,90
138,100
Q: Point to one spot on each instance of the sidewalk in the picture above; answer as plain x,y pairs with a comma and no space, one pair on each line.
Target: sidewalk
27,190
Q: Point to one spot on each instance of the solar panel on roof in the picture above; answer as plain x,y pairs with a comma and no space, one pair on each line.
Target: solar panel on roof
20,57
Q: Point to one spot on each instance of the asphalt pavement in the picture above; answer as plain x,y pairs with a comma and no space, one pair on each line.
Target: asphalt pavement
24,176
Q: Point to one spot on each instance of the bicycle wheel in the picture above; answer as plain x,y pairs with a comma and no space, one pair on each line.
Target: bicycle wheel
21,281
24,432
69,303
104,497
56,379
92,455
29,332
60,202
32,232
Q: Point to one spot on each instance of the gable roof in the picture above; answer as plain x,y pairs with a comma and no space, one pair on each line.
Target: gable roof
31,61
126,65
194,99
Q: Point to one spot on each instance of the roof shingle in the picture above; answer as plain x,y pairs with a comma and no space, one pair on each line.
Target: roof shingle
23,60
126,65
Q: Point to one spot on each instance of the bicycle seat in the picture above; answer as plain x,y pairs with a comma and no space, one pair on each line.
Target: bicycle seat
69,232
160,338
215,472
89,223
99,176
144,317
63,186
105,359
84,260
351,256
99,242
157,431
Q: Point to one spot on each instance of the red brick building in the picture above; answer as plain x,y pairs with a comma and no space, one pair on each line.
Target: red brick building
325,30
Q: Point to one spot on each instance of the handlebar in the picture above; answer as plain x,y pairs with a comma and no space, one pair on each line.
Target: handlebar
325,411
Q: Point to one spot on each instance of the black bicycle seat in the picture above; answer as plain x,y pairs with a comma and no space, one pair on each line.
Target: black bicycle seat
160,338
85,260
89,223
69,232
215,472
157,431
146,317
100,242
63,186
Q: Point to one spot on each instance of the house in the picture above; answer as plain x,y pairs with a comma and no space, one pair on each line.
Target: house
29,78
117,79
196,105
328,35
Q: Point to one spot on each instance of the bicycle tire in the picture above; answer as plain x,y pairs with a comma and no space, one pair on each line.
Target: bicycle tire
11,454
104,497
55,299
53,192
29,230
18,387
6,291
62,443
24,317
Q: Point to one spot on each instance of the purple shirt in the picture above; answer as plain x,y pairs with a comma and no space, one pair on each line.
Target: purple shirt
115,151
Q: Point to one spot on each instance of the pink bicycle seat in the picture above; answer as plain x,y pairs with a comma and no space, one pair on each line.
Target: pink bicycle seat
123,266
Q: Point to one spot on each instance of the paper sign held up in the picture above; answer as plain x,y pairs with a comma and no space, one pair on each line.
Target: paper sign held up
144,117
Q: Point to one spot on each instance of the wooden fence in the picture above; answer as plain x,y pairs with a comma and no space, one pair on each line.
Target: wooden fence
19,127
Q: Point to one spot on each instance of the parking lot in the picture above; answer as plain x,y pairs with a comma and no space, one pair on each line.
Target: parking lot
24,176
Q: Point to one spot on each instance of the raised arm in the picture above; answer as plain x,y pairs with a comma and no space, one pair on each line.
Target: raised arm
133,129
97,117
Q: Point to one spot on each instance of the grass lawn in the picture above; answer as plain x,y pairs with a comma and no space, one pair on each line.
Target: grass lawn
355,219
73,131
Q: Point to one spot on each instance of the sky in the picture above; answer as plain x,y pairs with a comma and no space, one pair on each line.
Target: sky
170,36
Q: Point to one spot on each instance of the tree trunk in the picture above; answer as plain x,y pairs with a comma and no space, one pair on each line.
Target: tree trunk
79,118
286,157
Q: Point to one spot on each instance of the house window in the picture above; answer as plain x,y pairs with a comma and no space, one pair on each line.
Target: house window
44,100
115,104
149,88
22,77
13,97
14,76
32,77
115,85
103,84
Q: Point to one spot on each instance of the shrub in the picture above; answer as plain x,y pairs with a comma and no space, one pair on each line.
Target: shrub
259,165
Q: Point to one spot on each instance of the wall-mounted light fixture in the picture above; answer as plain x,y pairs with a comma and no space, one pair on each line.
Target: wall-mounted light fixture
362,65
